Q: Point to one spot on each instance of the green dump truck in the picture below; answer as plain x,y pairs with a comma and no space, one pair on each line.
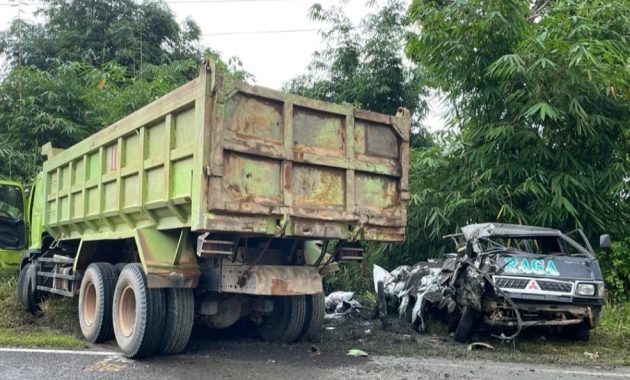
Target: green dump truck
207,205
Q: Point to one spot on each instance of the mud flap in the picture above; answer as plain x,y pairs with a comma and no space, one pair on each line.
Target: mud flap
167,258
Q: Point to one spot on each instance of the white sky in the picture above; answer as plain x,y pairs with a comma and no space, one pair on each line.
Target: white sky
233,28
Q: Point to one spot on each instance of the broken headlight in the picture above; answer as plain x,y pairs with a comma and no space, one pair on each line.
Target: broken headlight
585,289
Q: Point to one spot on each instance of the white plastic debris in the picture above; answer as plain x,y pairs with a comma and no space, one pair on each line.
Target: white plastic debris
334,299
357,353
381,275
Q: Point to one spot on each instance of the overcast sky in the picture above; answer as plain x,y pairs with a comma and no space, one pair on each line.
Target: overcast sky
274,39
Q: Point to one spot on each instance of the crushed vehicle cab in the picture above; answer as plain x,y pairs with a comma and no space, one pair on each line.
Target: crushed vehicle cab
13,226
547,275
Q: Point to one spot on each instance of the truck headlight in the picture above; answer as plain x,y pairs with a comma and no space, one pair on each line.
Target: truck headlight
585,290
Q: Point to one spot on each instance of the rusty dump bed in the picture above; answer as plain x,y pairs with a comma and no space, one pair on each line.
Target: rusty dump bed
221,155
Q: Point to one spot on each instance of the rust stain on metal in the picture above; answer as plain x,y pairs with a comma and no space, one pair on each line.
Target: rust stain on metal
272,280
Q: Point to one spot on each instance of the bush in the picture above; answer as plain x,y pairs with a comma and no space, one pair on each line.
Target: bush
616,270
351,277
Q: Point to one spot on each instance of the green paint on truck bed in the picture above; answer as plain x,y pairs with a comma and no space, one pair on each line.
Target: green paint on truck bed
220,155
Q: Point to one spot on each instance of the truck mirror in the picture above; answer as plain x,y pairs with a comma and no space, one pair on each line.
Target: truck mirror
604,242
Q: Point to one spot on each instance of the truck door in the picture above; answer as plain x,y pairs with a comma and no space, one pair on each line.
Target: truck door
12,220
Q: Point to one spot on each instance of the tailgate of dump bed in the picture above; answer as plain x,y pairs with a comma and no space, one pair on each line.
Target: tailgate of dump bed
286,165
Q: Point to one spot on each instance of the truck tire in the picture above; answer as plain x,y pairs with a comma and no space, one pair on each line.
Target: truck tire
315,311
180,314
30,295
19,289
95,302
465,326
138,313
286,321
119,267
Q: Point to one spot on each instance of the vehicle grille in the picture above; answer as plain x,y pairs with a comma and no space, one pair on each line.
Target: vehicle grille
543,285
555,286
511,283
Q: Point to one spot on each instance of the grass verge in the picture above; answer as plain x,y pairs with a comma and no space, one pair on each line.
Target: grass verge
56,326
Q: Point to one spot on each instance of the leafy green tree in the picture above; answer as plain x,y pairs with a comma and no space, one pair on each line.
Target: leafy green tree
364,65
90,63
72,100
540,100
129,33
69,102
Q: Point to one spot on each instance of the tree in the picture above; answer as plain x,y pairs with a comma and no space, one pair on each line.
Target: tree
541,106
89,64
69,102
100,31
364,65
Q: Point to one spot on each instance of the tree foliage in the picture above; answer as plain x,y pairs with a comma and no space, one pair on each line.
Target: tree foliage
540,111
126,32
90,63
364,65
69,102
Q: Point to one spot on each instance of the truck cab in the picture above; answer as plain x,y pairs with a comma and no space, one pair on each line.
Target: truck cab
13,224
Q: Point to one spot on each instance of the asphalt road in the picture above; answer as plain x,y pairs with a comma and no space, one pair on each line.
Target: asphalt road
254,360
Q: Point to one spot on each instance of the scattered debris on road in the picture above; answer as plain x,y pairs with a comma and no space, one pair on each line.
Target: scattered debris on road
341,305
479,345
592,355
357,353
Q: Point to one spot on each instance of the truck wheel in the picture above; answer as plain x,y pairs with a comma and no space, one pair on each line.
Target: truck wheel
119,267
465,325
286,321
30,297
315,311
138,313
95,302
180,314
19,291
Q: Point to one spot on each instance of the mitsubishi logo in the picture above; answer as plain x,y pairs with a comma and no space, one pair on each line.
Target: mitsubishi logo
533,285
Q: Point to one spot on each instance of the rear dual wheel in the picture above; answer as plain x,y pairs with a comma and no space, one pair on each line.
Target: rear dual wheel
293,318
138,313
95,302
147,320
315,311
285,323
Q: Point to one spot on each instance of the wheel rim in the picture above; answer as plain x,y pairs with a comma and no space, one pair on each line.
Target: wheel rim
89,304
127,311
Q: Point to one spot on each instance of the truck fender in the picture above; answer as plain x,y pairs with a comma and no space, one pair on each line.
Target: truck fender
167,257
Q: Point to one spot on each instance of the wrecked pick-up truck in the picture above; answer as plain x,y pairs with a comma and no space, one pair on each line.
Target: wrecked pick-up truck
508,277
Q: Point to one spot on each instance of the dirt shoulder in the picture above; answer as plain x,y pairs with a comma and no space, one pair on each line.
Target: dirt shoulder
368,335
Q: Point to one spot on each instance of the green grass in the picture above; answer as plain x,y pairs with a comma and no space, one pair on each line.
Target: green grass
56,326
38,337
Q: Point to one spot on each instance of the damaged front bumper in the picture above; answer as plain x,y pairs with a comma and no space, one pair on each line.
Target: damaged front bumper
498,313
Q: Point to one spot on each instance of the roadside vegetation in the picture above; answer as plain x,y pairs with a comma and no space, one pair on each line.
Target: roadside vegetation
55,326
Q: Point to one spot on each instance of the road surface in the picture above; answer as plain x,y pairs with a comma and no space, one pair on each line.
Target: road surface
253,360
